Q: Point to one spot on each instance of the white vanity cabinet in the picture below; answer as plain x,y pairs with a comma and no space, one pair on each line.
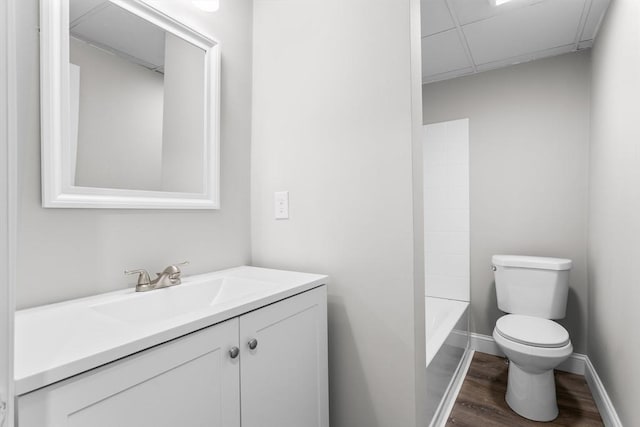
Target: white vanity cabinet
197,380
190,381
284,379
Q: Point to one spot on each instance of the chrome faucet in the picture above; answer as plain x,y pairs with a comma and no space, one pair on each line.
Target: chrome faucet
170,276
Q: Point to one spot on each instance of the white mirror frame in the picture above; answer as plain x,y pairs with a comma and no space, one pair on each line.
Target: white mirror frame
58,190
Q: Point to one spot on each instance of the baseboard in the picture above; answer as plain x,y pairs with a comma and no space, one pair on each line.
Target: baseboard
446,404
576,364
601,397
484,344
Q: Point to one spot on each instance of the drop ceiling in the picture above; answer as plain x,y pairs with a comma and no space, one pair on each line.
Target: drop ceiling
109,27
461,37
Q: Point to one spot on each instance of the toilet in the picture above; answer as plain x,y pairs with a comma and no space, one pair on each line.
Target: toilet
533,292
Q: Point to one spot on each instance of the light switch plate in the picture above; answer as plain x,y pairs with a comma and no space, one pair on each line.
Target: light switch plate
281,204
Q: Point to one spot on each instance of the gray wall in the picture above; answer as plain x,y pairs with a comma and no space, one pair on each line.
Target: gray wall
614,226
7,187
183,119
68,253
529,142
332,125
120,121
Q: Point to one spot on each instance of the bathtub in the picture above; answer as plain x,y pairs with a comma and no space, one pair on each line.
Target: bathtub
447,341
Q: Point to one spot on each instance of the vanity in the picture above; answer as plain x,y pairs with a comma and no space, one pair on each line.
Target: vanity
240,347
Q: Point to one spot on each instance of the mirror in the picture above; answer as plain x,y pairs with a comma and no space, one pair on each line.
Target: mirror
129,108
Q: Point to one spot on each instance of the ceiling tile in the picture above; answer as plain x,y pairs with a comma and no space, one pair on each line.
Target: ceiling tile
443,52
449,75
524,30
435,17
596,14
125,32
469,11
585,44
77,8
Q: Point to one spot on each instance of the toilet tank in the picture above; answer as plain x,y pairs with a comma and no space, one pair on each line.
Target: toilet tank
533,286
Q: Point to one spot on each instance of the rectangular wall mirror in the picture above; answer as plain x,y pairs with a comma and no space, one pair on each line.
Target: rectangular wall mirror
130,108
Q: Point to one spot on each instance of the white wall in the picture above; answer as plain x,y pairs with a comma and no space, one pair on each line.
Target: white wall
8,146
332,125
183,119
68,253
529,142
446,209
614,243
120,121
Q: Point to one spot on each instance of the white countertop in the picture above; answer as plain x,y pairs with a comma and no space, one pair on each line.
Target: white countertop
57,341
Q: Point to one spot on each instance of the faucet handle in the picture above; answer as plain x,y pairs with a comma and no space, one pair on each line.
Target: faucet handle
174,268
143,276
173,271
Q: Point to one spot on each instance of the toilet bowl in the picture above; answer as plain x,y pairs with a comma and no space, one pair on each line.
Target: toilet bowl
534,347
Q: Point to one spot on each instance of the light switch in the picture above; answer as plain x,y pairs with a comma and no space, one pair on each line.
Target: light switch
281,200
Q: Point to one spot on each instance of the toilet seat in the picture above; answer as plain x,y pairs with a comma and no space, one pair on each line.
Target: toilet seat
532,331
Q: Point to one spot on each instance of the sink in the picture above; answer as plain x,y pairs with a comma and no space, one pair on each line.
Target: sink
165,303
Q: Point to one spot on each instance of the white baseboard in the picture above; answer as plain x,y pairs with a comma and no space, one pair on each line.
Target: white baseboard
446,404
484,344
600,396
576,364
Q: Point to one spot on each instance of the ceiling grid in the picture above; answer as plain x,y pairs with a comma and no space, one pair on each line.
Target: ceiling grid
461,37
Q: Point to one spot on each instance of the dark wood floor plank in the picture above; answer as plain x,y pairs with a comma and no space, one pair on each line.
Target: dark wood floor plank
481,400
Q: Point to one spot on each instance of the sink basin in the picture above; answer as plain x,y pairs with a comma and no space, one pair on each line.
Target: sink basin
165,303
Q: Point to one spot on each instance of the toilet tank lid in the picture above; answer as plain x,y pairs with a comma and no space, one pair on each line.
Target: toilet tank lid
543,263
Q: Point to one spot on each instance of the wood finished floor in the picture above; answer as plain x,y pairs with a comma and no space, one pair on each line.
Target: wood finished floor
481,400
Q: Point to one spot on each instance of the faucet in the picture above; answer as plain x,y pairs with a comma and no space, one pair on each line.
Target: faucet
170,276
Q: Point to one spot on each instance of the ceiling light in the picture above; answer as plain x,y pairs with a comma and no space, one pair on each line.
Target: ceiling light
500,2
209,5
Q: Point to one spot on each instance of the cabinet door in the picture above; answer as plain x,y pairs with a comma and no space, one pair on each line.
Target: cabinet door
191,381
284,379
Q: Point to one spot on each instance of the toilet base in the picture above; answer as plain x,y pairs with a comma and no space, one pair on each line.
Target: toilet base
532,395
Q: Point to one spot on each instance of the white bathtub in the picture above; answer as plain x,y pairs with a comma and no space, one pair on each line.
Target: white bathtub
447,340
441,318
